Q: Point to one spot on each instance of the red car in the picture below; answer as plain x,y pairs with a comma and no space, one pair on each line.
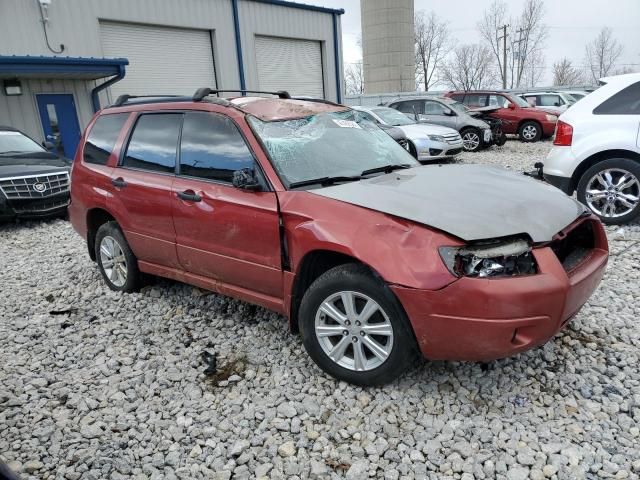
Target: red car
518,117
310,210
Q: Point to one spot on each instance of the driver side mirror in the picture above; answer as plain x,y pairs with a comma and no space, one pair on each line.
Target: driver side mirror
245,179
511,106
449,113
48,145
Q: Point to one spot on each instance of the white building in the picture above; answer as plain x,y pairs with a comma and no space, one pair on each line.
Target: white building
61,59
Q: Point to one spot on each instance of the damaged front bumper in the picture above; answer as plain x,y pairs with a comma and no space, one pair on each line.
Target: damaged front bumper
478,319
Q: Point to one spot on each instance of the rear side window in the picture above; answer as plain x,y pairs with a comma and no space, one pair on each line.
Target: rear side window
625,102
212,147
412,106
154,143
475,100
102,138
550,101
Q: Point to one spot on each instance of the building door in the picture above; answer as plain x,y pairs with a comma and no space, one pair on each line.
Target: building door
59,122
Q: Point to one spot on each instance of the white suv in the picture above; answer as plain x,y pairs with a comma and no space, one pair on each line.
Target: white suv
596,150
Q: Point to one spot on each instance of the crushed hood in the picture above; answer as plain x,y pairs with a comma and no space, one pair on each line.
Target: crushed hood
471,202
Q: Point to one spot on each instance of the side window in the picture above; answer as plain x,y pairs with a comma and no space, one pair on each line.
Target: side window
102,138
549,101
498,101
475,100
458,97
212,147
154,142
625,102
433,108
410,106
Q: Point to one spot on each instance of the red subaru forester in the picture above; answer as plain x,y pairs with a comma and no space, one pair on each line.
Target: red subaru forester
309,209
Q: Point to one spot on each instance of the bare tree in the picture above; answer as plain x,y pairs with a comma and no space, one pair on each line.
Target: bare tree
602,54
432,46
470,67
564,73
528,34
533,70
354,78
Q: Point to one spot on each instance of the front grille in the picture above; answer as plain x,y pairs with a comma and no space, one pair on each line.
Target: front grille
39,205
572,248
35,186
453,138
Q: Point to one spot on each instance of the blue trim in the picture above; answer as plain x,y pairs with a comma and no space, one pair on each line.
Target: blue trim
95,99
302,6
336,57
102,67
236,26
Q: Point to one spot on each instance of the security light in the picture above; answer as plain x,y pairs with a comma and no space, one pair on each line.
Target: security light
12,87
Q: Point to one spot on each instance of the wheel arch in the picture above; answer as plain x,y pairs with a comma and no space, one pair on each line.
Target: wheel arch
96,217
312,265
528,120
589,162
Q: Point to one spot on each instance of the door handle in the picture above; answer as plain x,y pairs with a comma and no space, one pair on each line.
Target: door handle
189,196
118,182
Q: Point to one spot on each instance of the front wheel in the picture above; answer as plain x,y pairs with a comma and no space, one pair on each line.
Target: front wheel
471,140
117,263
354,328
611,189
530,132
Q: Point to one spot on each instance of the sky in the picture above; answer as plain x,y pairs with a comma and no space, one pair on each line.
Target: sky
572,24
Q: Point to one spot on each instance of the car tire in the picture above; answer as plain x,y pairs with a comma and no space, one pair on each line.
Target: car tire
530,132
360,356
412,149
471,139
617,169
501,138
118,265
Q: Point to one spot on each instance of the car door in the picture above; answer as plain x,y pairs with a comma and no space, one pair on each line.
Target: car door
222,232
510,117
142,184
410,108
434,112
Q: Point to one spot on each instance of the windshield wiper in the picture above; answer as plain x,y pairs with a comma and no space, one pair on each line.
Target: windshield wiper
385,168
11,152
324,181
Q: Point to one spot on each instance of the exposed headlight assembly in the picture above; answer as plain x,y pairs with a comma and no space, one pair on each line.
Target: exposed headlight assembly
436,138
500,258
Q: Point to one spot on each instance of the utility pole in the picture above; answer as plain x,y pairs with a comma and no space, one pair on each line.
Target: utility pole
519,59
504,55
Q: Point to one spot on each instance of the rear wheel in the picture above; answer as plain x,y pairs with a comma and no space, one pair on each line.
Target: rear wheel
530,132
354,328
611,189
117,263
471,139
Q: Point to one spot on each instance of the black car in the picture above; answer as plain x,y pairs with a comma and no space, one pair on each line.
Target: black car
33,181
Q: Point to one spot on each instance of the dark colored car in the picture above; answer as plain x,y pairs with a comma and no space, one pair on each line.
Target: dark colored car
517,116
33,181
310,210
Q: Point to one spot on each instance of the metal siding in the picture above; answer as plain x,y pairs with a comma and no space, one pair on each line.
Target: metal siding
261,19
303,75
76,24
158,59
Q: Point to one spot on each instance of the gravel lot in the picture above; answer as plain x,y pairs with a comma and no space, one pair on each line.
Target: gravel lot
98,385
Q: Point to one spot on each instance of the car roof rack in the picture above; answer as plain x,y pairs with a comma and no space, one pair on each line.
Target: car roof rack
205,91
125,99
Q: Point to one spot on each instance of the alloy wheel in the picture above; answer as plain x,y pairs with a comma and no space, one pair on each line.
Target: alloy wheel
613,192
470,141
354,331
113,261
529,132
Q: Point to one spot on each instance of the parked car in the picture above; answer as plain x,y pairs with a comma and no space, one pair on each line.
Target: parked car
516,114
309,210
33,181
577,94
596,150
426,142
554,102
475,133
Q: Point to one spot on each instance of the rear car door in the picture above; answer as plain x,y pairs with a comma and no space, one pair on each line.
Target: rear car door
222,232
409,107
142,187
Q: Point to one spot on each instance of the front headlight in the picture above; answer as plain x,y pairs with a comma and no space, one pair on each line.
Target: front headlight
552,118
498,258
436,138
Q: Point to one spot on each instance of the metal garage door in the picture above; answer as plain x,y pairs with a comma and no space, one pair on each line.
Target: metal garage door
162,60
290,64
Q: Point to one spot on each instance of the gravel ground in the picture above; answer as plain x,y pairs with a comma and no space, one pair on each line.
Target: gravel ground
97,385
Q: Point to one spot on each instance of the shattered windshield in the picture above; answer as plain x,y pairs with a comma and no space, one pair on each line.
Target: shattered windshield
328,145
